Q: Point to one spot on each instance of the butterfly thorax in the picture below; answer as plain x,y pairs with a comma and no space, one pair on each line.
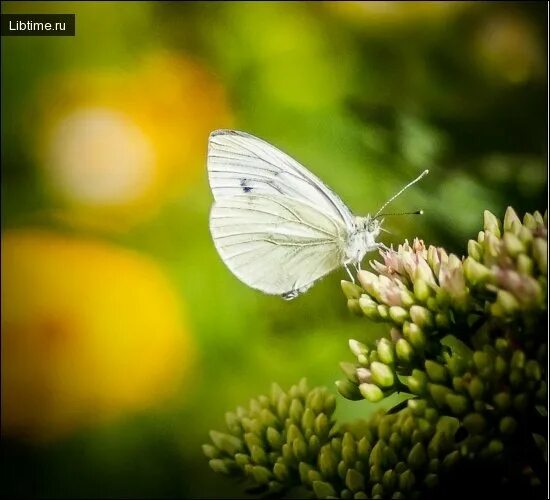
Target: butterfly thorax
362,239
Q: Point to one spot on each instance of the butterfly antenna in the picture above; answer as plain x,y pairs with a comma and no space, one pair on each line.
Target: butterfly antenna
400,192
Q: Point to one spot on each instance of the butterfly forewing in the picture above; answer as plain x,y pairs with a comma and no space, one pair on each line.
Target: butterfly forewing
239,163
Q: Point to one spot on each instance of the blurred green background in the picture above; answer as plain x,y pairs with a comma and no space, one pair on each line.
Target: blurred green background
124,337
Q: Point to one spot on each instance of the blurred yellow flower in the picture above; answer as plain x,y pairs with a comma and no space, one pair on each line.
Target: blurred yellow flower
507,48
117,142
89,331
382,14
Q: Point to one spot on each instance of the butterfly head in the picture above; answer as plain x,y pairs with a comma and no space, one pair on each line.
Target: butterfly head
368,225
363,238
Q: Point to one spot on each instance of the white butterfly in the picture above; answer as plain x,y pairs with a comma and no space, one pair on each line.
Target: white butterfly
276,226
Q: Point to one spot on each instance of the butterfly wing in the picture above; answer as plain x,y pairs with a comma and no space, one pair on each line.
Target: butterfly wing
275,243
239,163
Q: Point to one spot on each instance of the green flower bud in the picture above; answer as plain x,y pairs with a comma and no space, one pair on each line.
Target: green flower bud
406,481
529,221
292,433
475,272
299,448
458,404
369,308
513,244
351,290
376,455
451,459
475,250
500,366
431,480
505,305
435,371
363,449
398,314
323,489
417,382
476,388
251,439
304,469
375,474
328,462
349,390
540,254
395,440
511,220
404,351
406,297
345,493
415,335
242,460
495,447
383,311
400,467
382,375
507,425
439,393
533,370
283,405
342,470
226,442
288,454
442,320
371,392
520,402
502,401
261,474
210,451
267,418
221,466
313,475
433,464
422,291
377,491
389,480
475,423
308,419
518,359
417,406
357,347
363,360
483,363
421,316
417,457
354,307
350,371
348,449
355,481
330,404
525,265
258,455
274,438
369,282
431,415
296,410
321,426
385,351
491,224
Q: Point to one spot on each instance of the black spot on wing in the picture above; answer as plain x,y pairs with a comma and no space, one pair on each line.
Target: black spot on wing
246,188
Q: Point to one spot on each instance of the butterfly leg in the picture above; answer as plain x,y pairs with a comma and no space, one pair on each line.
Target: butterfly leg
349,273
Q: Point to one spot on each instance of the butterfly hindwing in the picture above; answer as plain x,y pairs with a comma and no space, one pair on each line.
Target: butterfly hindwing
274,243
